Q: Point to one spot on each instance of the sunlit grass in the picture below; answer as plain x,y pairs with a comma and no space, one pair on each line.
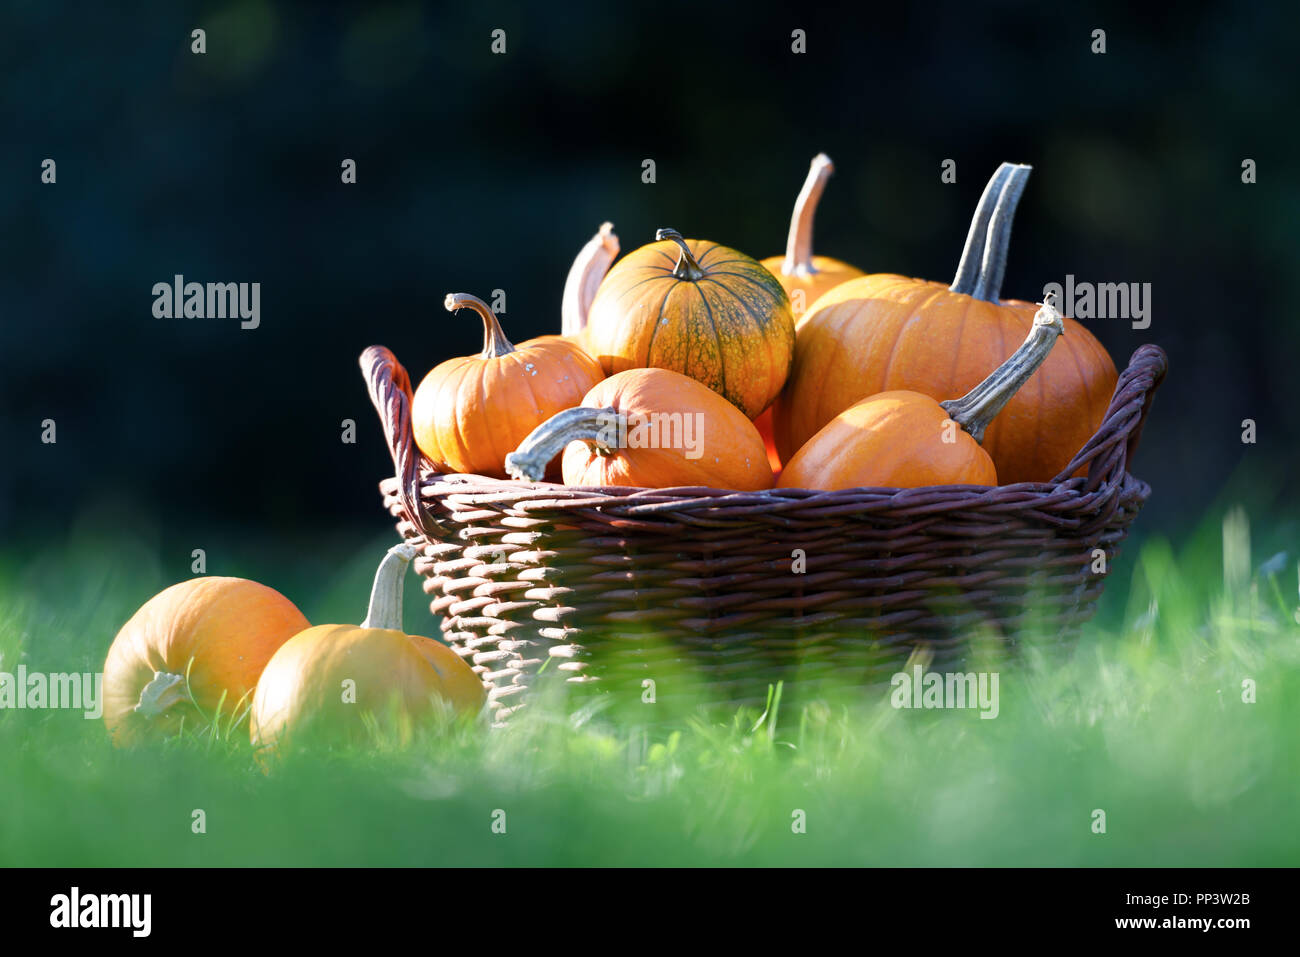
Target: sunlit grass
1175,715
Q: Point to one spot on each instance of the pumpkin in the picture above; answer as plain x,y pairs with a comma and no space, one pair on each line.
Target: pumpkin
648,428
195,647
327,683
904,439
887,332
700,309
585,275
805,276
470,411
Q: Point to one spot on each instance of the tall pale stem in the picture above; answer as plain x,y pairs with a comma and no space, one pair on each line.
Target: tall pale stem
386,594
798,247
585,275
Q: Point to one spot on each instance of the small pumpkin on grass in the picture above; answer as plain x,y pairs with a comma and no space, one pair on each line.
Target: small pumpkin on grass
886,332
903,439
648,428
470,411
697,308
328,682
805,276
193,650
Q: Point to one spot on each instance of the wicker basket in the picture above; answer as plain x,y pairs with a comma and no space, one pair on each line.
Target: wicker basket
607,586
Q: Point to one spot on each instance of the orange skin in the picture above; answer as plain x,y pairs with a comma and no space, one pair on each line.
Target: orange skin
230,627
890,440
578,339
764,425
885,332
470,411
731,329
806,289
733,456
302,686
803,290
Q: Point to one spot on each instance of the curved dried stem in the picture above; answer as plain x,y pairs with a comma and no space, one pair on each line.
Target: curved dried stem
687,267
585,275
798,247
601,427
385,609
971,266
997,241
978,407
495,342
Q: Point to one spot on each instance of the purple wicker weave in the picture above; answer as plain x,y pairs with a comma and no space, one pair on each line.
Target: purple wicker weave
606,586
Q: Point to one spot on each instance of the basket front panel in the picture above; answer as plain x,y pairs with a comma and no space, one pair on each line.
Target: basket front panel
691,600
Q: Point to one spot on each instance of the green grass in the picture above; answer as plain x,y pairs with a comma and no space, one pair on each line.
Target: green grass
1143,719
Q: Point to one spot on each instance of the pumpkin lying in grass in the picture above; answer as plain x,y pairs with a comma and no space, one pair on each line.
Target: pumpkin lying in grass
193,650
803,276
326,683
470,411
886,332
700,309
648,428
903,439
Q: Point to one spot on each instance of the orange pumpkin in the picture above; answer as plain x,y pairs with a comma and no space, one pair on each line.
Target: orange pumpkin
648,428
903,439
805,276
326,683
585,275
700,309
886,332
195,646
469,412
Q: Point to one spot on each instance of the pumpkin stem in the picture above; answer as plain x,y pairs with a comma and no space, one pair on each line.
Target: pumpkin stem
687,267
495,342
588,269
600,426
972,254
978,407
798,246
163,692
997,241
386,595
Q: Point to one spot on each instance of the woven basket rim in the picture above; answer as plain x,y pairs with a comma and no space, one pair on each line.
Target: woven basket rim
471,488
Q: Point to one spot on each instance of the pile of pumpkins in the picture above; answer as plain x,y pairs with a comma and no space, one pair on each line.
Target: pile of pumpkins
802,371
213,648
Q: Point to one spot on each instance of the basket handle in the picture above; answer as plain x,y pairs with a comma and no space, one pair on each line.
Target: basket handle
1109,452
390,391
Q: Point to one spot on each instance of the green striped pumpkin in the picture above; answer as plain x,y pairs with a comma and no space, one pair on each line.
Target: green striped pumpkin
700,309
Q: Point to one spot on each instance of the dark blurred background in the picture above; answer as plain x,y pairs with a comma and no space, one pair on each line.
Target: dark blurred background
479,171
